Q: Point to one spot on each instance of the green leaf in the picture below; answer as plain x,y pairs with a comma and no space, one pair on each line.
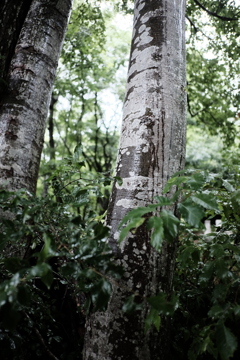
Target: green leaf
163,201
226,342
207,272
162,305
119,180
46,251
133,224
208,201
100,294
130,305
196,181
153,318
174,181
156,223
77,151
136,214
47,278
228,186
100,231
191,213
222,271
216,311
38,270
170,224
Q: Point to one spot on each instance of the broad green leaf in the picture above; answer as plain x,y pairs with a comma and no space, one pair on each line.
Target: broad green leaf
222,270
47,278
100,293
226,342
130,305
156,223
228,186
216,311
137,213
100,231
119,180
153,318
174,181
38,270
191,213
170,224
207,272
162,305
196,181
133,224
163,201
208,201
47,250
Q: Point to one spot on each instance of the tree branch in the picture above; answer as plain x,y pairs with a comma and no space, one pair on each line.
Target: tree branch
213,13
192,23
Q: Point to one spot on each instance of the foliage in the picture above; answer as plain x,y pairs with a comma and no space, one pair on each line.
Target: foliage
212,66
206,284
59,269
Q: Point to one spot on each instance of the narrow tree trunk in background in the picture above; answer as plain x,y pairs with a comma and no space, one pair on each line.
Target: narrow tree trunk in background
52,149
24,108
152,149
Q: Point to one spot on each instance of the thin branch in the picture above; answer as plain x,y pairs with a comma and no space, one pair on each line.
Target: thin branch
224,18
192,23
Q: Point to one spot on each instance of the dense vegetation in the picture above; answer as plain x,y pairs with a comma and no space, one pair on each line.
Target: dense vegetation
55,262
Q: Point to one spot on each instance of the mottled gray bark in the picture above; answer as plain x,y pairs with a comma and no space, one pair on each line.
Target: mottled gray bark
152,149
24,107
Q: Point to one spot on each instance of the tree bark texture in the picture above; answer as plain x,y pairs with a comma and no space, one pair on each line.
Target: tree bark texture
152,149
24,106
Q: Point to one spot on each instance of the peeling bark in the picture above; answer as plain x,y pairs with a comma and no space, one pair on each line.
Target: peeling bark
24,107
152,149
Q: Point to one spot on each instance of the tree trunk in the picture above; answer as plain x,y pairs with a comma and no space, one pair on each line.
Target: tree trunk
24,106
152,149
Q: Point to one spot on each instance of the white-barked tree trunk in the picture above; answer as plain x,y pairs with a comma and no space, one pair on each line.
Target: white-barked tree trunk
152,149
24,104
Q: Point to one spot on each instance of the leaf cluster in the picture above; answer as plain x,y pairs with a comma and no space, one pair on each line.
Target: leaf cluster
55,264
204,307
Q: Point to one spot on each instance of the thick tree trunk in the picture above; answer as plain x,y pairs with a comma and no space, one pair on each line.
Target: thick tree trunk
24,107
152,149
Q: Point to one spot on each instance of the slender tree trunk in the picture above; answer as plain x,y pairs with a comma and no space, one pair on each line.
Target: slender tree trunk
152,149
24,107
